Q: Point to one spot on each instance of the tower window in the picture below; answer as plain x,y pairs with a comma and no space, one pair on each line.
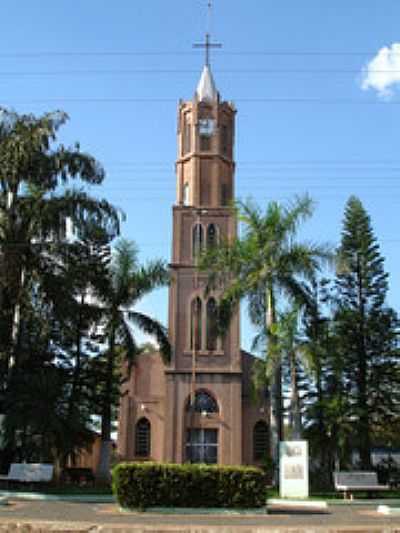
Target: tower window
186,194
197,240
205,143
186,144
225,194
196,324
260,440
211,236
224,139
212,328
143,438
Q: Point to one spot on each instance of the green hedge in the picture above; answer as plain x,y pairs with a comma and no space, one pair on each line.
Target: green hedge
141,485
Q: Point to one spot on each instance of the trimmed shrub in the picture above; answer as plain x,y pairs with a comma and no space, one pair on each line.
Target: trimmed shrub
141,485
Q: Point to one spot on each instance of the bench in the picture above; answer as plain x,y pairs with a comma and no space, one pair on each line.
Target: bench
394,480
29,473
352,482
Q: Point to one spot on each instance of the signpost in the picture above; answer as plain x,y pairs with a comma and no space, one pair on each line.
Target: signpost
293,468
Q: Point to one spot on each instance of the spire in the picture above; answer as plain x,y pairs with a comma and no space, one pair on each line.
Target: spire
206,89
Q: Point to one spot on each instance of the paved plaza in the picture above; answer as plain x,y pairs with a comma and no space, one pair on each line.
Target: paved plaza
66,516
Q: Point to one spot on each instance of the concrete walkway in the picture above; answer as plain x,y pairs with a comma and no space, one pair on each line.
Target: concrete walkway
43,516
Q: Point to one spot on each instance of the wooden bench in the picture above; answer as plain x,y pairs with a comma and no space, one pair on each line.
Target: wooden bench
352,482
29,473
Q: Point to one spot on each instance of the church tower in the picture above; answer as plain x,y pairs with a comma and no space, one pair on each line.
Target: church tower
199,407
204,379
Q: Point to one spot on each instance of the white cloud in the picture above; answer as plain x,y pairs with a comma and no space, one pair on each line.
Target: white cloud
382,73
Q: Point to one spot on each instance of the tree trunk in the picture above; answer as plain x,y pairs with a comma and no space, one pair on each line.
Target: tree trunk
103,470
16,324
74,399
295,399
276,385
17,274
362,400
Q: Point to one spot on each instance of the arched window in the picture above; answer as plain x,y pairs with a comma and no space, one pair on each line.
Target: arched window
212,331
195,324
260,440
186,194
212,236
143,438
203,403
197,240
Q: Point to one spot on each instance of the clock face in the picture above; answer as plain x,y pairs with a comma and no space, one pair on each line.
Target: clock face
206,127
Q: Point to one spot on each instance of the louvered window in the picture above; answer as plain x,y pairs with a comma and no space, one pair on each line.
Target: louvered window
197,240
196,324
225,194
212,328
211,236
143,438
187,141
205,143
225,139
260,441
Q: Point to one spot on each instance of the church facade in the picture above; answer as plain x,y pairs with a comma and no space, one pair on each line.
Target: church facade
199,407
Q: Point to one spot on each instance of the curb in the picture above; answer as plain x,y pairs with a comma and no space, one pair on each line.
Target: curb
306,504
37,496
197,511
385,509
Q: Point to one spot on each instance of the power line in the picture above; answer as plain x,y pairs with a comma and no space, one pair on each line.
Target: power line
264,174
129,72
250,100
283,162
322,194
135,178
285,187
146,53
159,177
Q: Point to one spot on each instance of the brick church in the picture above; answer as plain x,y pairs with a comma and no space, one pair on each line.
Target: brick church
199,407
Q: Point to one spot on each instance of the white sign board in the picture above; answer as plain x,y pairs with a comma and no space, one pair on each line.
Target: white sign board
293,469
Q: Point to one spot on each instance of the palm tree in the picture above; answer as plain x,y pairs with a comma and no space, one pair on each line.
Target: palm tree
289,348
296,360
126,284
265,264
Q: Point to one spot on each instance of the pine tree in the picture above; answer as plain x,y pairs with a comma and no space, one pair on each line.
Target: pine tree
365,326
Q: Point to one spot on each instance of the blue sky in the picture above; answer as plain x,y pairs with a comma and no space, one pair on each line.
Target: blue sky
294,70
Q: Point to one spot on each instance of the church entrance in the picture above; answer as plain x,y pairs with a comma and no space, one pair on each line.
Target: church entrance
202,446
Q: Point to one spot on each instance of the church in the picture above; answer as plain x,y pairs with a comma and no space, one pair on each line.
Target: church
199,408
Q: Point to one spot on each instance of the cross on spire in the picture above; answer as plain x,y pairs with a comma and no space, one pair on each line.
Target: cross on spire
207,45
